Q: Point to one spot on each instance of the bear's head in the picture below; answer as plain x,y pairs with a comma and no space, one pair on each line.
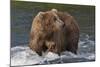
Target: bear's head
49,21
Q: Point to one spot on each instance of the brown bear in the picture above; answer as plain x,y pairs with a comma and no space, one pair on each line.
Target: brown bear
54,31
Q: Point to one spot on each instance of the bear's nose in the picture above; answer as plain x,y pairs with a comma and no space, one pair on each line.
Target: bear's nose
62,23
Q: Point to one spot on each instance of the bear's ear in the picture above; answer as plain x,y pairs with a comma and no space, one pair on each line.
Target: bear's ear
54,10
41,14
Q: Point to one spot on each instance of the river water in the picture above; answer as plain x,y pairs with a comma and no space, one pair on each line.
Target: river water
22,14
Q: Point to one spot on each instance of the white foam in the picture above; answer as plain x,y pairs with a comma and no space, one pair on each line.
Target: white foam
90,57
22,55
51,56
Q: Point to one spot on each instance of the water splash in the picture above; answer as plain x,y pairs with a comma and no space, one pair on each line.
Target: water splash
22,55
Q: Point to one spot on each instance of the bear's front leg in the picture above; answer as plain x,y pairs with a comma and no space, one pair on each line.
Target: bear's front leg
36,46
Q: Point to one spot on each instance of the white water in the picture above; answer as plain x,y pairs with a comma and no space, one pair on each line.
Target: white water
22,55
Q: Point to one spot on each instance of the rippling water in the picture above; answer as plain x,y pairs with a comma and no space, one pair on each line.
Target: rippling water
22,55
21,20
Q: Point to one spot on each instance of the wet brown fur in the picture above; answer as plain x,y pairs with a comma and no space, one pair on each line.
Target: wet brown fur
47,36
